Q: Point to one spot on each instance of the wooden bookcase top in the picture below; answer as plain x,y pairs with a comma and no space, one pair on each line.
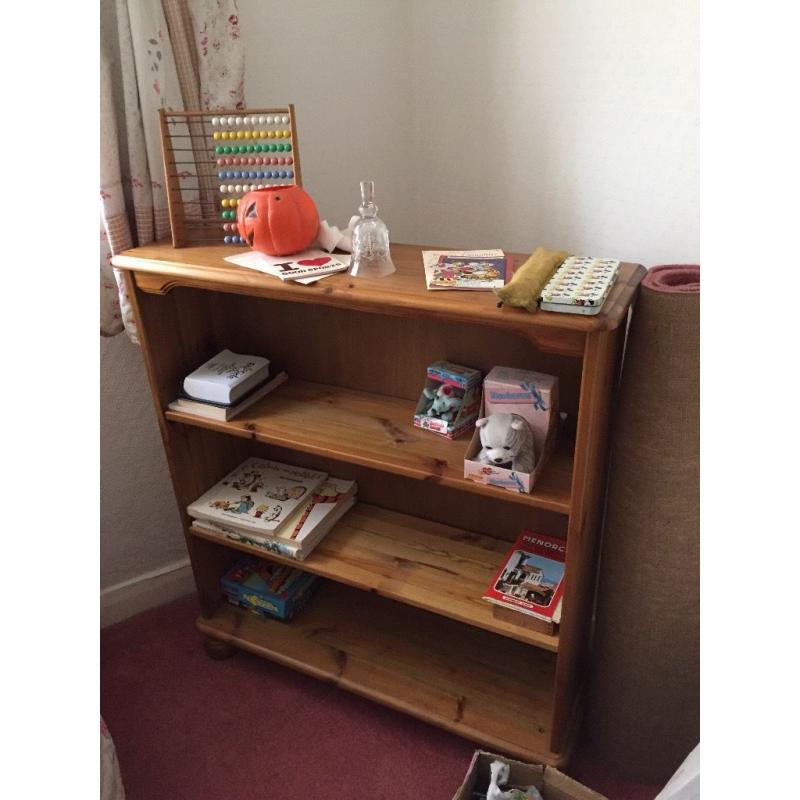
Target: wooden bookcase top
160,267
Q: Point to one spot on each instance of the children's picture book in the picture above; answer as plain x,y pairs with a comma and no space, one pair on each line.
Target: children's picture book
580,285
531,580
306,267
469,273
259,495
301,533
431,263
226,378
221,411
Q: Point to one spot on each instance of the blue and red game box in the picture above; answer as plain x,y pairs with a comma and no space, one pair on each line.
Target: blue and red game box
274,591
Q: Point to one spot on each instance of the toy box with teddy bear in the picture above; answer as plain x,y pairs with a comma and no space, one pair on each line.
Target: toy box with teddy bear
516,429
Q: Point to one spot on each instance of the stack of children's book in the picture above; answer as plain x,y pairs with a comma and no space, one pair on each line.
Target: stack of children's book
226,385
276,507
528,587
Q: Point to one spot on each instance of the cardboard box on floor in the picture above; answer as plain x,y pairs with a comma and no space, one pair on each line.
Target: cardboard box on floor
553,785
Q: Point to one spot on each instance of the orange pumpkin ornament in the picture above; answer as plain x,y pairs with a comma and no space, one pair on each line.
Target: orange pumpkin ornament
278,220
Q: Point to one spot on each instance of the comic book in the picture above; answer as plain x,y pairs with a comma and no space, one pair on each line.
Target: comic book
444,269
259,495
468,273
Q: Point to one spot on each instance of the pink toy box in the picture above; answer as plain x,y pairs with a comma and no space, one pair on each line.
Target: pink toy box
532,395
456,384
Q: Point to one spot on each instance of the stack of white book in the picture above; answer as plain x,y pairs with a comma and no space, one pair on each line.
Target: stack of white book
226,385
276,507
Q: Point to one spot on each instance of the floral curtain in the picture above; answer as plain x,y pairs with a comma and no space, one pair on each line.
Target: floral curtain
173,54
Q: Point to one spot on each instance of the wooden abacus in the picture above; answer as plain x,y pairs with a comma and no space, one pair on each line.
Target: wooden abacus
213,158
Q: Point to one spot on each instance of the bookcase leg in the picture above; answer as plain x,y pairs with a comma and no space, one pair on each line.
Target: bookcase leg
217,649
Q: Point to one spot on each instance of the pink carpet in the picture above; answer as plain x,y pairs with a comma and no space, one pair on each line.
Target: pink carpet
190,728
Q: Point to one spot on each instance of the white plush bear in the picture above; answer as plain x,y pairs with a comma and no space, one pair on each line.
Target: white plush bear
500,773
445,403
507,441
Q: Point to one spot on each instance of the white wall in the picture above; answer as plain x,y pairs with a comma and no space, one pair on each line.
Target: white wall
140,529
517,123
345,67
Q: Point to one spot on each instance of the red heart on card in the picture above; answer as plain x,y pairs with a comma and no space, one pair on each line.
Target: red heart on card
314,262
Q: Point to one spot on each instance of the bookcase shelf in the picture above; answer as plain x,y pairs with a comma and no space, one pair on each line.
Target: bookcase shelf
462,679
377,431
400,618
425,564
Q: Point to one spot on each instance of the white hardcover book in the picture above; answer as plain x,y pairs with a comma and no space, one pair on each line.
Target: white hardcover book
226,378
221,412
258,496
317,516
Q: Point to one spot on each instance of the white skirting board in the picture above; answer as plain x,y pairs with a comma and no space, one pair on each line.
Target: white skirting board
145,591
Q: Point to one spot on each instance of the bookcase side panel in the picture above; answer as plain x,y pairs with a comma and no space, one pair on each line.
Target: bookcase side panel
175,330
600,366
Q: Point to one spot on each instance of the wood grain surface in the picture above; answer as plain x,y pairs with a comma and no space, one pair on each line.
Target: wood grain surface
491,690
431,566
376,431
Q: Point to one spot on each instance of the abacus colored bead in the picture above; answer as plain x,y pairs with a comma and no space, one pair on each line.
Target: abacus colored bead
262,134
216,135
252,175
215,120
285,119
283,174
219,150
270,134
287,147
223,188
228,149
238,120
269,120
251,148
289,160
246,121
290,173
231,120
262,120
228,240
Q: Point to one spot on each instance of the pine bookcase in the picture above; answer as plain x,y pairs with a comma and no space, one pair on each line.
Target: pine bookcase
400,619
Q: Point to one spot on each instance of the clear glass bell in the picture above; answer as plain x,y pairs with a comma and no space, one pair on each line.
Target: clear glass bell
371,257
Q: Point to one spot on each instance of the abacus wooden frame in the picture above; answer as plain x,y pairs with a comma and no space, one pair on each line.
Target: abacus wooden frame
187,231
